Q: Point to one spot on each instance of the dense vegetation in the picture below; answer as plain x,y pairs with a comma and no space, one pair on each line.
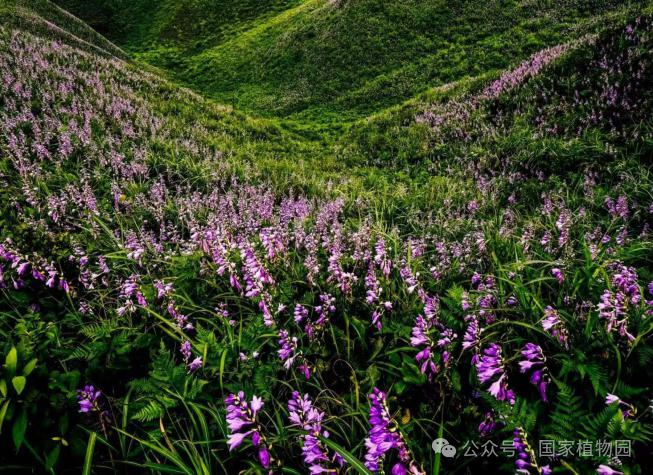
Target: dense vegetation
415,220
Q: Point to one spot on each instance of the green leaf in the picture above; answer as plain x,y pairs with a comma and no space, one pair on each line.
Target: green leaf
353,461
438,454
53,456
3,387
88,458
19,383
3,413
18,430
29,367
11,360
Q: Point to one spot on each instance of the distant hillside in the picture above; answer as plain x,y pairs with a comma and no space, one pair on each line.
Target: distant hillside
43,15
322,60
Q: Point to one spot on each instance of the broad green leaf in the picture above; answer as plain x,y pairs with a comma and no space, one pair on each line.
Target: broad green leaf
53,456
19,383
3,387
29,367
18,430
11,360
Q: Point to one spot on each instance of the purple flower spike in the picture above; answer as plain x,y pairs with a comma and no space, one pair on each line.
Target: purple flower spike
534,361
526,463
383,436
242,423
555,326
490,369
304,415
88,399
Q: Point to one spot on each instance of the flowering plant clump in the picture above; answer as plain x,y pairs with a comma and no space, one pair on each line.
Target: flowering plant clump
477,269
384,436
243,424
304,415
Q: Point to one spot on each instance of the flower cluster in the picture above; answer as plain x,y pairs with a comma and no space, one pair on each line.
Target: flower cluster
553,324
187,354
490,369
88,399
384,436
614,305
304,415
243,424
534,361
526,463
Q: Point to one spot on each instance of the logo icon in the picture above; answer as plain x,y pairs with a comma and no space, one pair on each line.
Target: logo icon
442,446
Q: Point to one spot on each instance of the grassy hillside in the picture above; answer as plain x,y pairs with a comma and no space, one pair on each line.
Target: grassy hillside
185,288
326,61
45,15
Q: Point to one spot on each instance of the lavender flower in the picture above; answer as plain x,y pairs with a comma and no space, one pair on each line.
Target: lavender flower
488,368
557,273
554,325
242,422
303,414
288,353
186,352
627,410
429,334
606,470
288,347
195,364
487,426
526,462
534,361
88,399
384,435
472,335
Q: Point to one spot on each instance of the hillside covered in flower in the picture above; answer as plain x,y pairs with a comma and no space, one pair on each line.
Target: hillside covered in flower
448,244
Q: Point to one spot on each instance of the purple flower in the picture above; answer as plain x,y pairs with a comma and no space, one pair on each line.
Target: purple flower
288,353
428,335
264,456
301,313
490,370
162,289
195,365
304,415
384,435
605,470
557,273
554,325
242,422
185,350
619,208
534,361
627,410
526,456
288,347
613,308
472,334
88,399
488,426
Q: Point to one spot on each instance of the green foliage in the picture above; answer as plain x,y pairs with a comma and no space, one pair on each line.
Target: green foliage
322,61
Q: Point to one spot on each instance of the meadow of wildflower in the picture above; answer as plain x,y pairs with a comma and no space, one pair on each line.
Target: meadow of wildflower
317,236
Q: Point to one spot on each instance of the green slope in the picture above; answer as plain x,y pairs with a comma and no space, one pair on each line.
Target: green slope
46,16
325,61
